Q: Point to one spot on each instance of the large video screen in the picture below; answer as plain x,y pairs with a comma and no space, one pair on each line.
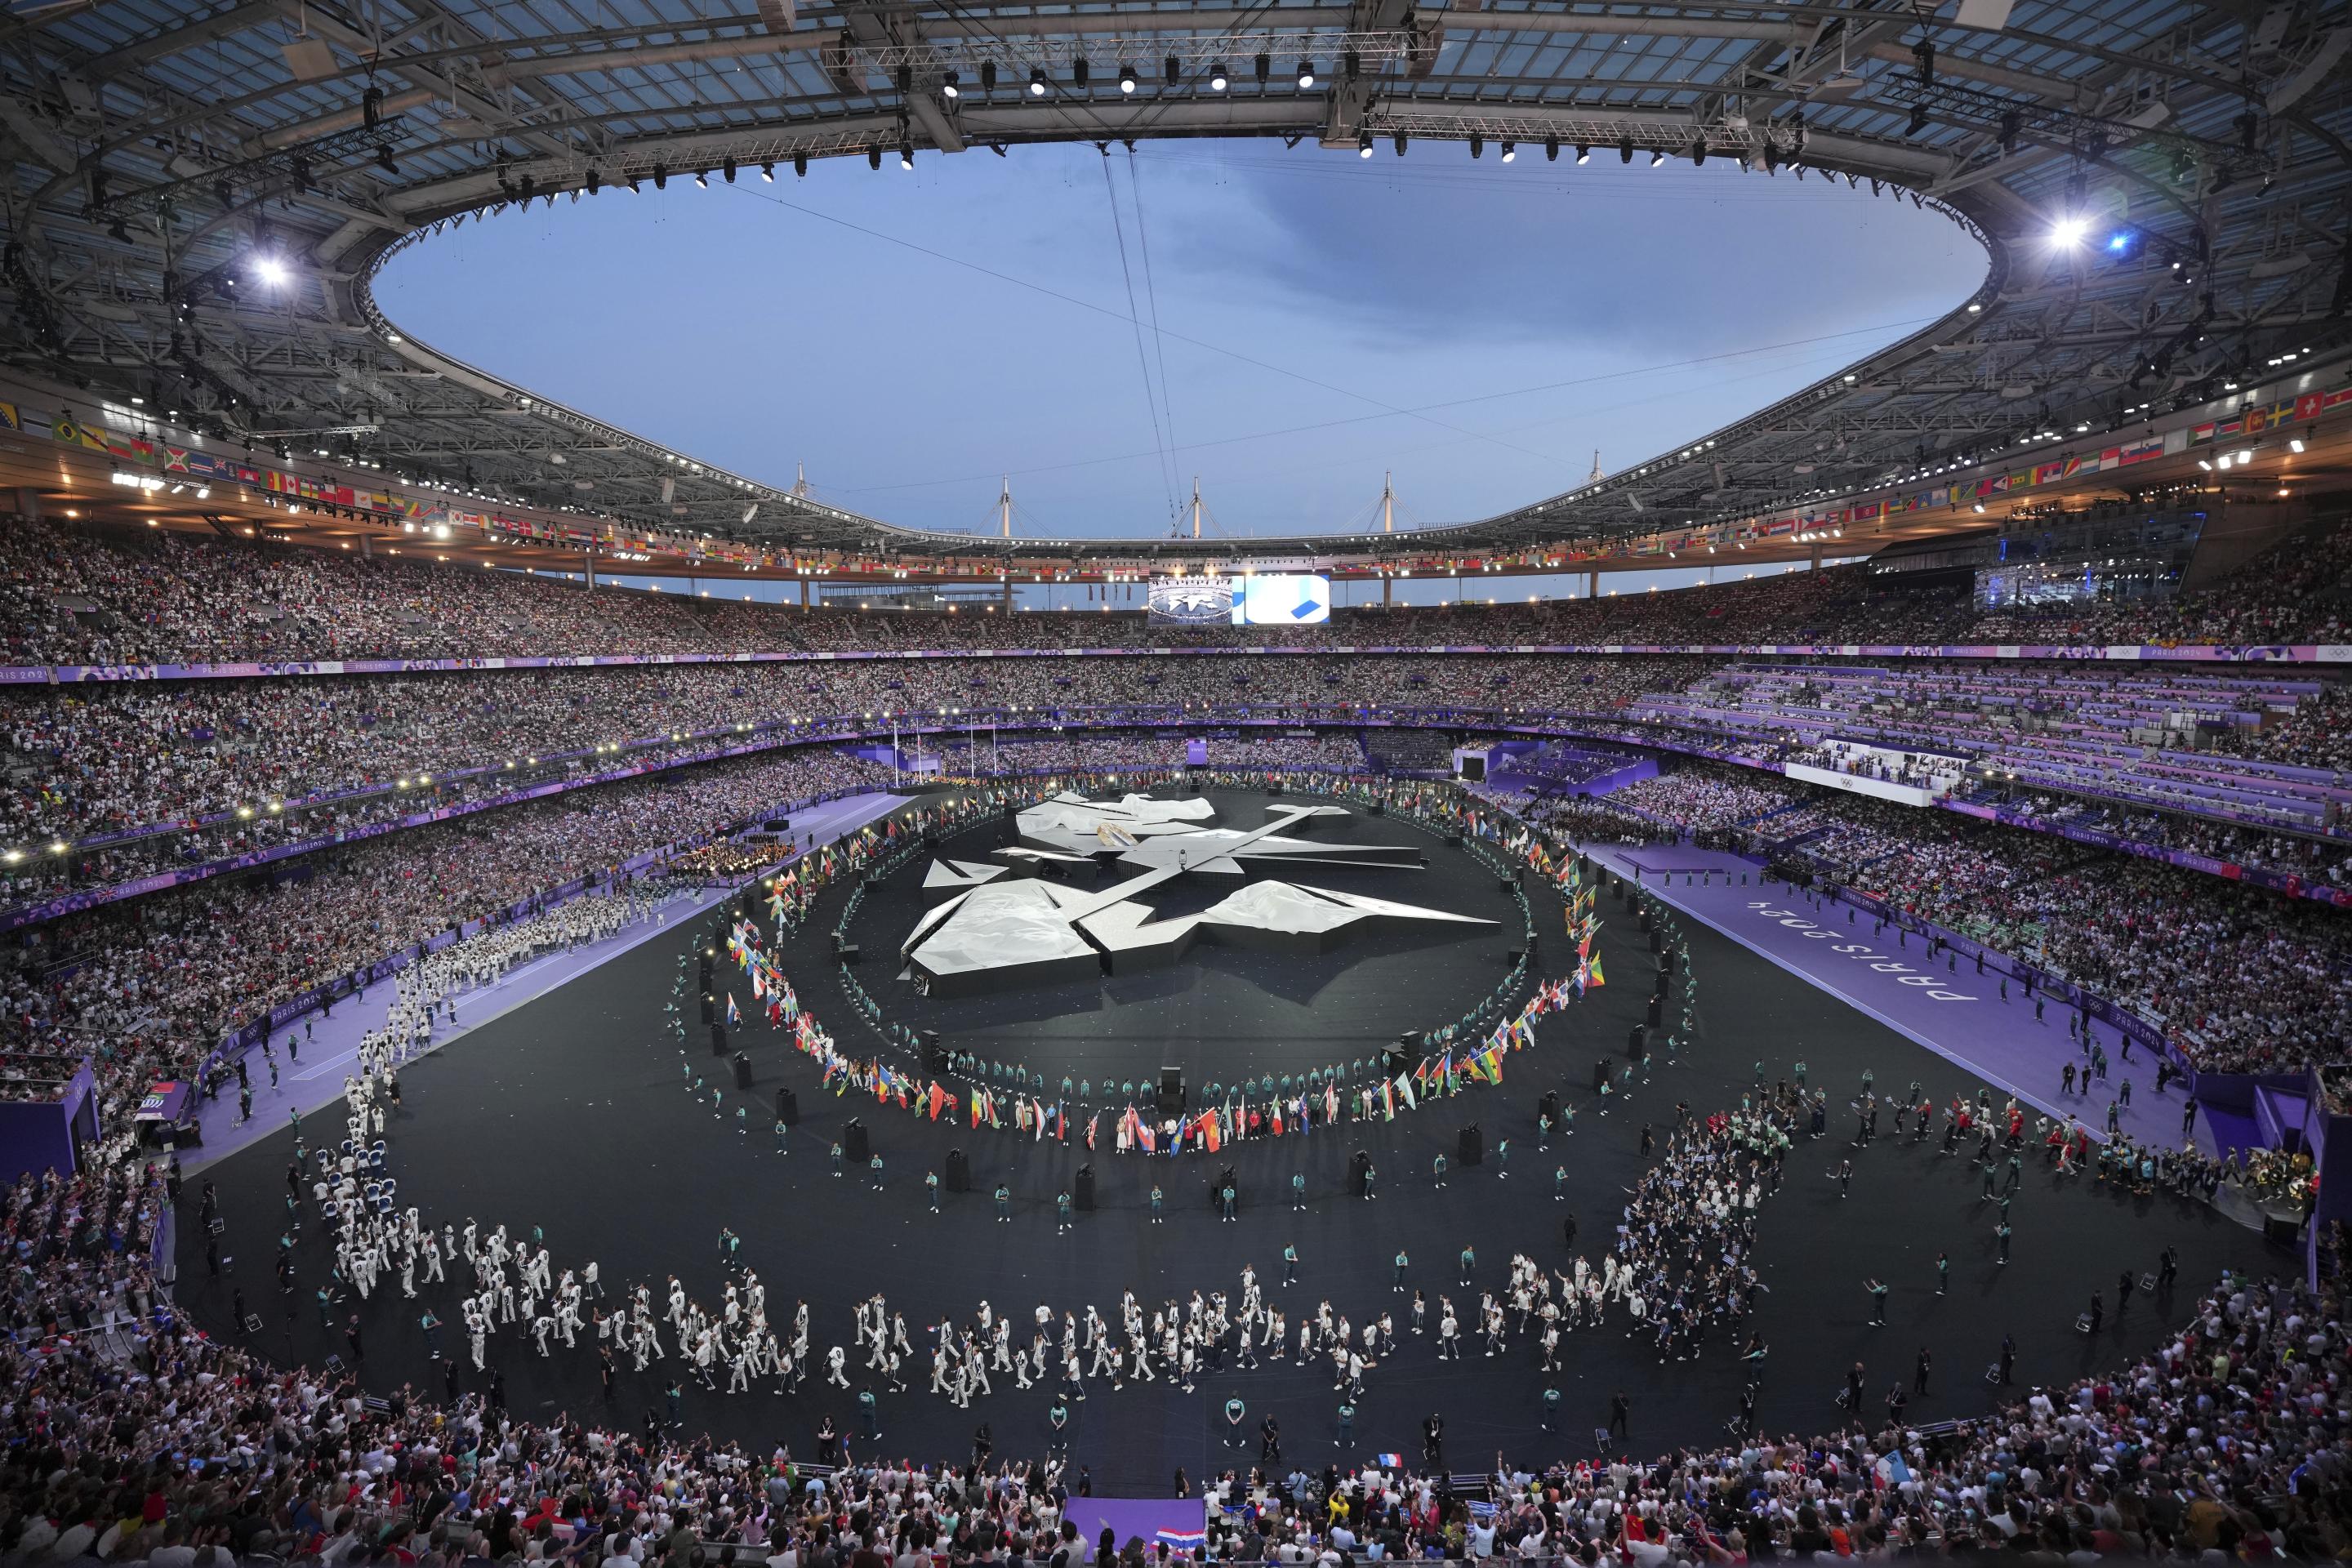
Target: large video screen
1283,599
1192,601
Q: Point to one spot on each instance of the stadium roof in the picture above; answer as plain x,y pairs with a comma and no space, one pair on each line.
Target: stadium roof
2161,189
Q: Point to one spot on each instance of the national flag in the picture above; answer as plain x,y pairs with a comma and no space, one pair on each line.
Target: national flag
1597,978
1405,1091
1389,1461
734,1014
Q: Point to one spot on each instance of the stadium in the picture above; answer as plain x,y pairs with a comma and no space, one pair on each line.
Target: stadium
571,1000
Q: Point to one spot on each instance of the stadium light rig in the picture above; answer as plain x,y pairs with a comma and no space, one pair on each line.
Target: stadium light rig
272,270
2068,232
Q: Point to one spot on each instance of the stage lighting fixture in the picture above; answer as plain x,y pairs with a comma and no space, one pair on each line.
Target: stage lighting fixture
271,269
874,157
661,176
1217,77
1353,63
948,87
1918,119
1306,75
906,80
634,189
1078,72
702,178
1399,143
1657,156
1583,153
906,156
2068,231
1126,79
1698,152
728,168
383,161
1038,81
1477,145
800,164
988,76
1264,66
767,171
1363,143
1624,149
1551,149
595,181
1171,71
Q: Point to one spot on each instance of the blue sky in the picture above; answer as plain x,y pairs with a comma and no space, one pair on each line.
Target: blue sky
1479,329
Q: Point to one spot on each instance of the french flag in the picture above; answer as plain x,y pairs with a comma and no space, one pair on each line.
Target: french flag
1389,1461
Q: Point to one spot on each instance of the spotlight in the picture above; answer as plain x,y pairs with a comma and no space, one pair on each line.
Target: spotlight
1264,66
271,269
1306,75
1399,143
1477,144
1353,63
1126,79
1624,149
1657,156
948,87
768,170
874,157
728,168
1551,149
2068,232
1698,152
988,76
595,181
1918,119
906,156
1078,73
702,178
1363,144
661,176
1217,77
633,188
1510,150
1583,153
1038,81
800,165
1172,70
906,80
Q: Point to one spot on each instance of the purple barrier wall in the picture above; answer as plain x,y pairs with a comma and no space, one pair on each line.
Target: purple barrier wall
38,1135
2200,653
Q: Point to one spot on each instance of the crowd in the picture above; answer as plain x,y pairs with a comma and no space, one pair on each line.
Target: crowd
148,987
86,595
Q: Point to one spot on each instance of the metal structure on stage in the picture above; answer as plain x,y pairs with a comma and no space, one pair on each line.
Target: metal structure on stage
201,194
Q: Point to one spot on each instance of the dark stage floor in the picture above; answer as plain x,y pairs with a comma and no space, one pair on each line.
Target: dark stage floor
569,1113
1222,1011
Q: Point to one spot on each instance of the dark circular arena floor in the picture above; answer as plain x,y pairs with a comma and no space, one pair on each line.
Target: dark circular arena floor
1222,1011
571,1113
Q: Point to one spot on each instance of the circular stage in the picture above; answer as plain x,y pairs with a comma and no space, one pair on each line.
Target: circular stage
1236,1003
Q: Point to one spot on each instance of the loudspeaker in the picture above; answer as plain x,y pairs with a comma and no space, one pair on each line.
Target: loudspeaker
717,1039
1469,1145
847,953
1657,1010
1666,966
1637,1041
935,1056
1082,1191
1172,1091
2281,1228
1550,1106
1393,1062
1657,940
959,1178
1504,885
853,1146
710,1008
743,1070
1642,917
788,1108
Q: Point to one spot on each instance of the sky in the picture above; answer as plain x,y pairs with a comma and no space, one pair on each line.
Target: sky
1285,324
